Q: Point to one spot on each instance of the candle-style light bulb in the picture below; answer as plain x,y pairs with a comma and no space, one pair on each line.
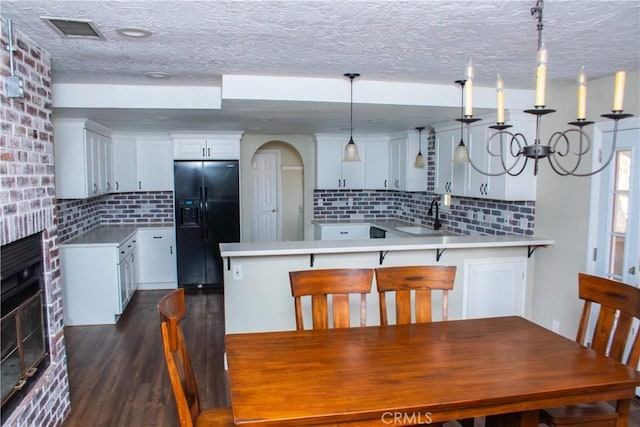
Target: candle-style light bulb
582,94
500,99
468,90
541,76
618,91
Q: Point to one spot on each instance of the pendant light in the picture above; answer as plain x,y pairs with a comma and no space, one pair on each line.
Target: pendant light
461,155
419,163
351,149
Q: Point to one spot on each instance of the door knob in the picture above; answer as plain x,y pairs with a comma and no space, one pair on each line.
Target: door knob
273,211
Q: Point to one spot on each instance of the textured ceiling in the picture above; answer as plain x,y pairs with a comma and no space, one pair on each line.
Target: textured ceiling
403,41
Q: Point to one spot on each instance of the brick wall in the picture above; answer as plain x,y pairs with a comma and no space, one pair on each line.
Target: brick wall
78,216
466,215
27,204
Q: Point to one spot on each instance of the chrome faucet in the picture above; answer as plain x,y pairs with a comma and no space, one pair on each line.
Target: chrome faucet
436,222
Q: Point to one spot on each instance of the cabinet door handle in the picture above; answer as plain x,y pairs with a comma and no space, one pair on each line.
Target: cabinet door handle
385,183
339,183
95,187
157,237
171,250
202,151
121,252
344,232
208,152
117,186
344,183
139,185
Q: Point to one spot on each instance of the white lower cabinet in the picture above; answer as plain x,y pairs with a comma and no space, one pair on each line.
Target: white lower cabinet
157,258
98,281
342,231
128,270
494,287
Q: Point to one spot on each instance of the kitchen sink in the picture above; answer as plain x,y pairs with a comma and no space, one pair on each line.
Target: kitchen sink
416,229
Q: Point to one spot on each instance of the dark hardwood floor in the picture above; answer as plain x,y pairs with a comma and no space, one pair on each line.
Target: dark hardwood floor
118,376
117,373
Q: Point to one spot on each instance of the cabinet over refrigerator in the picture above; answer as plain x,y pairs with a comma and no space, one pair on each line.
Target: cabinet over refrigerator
207,212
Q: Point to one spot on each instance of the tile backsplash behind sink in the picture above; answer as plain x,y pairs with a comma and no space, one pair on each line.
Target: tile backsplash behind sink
466,215
78,216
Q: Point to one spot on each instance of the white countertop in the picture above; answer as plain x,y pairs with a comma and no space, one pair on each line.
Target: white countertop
372,245
108,235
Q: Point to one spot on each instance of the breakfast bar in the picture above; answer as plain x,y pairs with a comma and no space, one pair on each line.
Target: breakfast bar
257,281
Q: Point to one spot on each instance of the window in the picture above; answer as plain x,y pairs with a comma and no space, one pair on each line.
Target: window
615,220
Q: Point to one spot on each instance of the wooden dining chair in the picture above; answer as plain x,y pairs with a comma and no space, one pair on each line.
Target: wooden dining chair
183,382
619,306
338,283
422,280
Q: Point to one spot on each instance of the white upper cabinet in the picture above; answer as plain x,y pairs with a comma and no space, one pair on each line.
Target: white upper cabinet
154,162
376,166
450,177
464,180
209,146
142,162
331,172
125,178
82,158
403,175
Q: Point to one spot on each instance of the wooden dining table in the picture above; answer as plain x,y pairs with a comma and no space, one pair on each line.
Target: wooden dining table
415,374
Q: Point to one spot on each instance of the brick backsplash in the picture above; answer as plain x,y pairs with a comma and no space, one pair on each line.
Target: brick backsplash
27,198
465,215
78,216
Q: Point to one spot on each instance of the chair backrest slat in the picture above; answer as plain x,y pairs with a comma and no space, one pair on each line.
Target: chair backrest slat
338,283
619,306
422,280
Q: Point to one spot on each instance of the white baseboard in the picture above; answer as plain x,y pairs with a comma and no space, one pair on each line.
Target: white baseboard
155,286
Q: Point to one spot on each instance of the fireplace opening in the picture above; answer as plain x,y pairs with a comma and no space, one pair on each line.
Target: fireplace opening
24,345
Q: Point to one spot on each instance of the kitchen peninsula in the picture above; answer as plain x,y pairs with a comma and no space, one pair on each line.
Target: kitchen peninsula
494,274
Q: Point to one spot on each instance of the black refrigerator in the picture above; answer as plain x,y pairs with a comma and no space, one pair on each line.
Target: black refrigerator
207,212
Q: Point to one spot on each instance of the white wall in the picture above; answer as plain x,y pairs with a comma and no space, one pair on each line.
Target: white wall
562,208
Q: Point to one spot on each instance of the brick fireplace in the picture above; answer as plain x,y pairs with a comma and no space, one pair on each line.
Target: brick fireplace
27,201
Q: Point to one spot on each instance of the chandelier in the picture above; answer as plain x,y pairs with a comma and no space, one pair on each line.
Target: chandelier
564,149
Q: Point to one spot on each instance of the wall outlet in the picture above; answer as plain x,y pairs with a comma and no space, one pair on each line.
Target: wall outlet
320,202
349,201
523,223
237,272
555,326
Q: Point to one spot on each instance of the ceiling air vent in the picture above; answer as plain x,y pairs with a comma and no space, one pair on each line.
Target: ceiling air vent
74,28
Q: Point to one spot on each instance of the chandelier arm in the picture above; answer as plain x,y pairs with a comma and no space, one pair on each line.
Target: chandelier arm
606,163
560,170
555,138
501,154
581,152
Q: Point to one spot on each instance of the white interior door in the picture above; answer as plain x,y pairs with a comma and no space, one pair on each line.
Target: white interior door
265,200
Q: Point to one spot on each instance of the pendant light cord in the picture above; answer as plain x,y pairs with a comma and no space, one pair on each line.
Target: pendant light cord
351,109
